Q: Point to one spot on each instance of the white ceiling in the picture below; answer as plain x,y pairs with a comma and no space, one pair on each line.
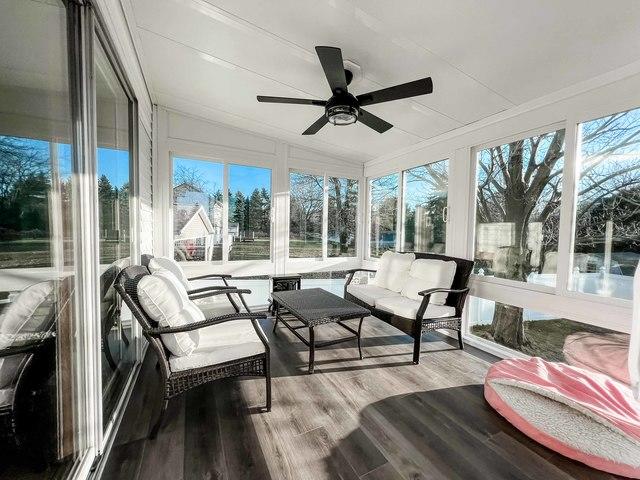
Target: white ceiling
212,57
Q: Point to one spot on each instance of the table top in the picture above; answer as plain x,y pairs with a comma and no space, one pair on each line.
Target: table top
315,306
285,276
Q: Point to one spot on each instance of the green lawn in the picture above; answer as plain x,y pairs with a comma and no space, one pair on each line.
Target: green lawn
24,253
36,253
256,250
305,248
544,338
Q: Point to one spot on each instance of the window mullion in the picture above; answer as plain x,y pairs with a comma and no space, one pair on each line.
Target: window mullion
400,213
325,217
567,208
225,214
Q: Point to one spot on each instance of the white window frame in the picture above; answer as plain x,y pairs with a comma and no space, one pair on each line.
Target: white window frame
403,197
226,165
568,204
325,213
473,203
401,215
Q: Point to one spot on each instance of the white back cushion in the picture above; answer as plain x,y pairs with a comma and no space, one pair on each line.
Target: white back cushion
26,314
168,263
392,270
169,305
428,273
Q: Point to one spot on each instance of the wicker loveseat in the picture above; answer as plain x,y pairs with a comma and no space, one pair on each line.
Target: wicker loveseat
415,313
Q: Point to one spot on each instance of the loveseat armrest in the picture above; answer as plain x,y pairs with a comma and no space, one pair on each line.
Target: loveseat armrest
206,323
460,296
431,291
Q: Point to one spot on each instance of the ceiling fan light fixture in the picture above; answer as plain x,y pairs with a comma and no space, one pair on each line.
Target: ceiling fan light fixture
342,115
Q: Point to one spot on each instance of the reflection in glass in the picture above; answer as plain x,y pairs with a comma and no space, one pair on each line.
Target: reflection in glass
531,332
306,197
113,113
342,216
607,225
40,434
249,213
384,214
197,210
518,209
425,201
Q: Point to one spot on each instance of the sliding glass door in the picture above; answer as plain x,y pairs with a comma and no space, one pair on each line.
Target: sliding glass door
425,191
114,152
41,426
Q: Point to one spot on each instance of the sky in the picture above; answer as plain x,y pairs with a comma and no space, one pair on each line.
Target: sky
241,177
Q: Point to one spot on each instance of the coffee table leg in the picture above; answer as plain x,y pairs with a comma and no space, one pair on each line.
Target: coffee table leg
276,309
359,330
312,349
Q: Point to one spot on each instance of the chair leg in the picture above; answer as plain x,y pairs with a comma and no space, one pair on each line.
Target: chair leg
268,385
276,312
417,339
460,339
156,427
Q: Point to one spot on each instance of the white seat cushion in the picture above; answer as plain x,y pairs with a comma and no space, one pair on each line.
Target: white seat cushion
215,309
219,344
426,273
393,270
408,308
370,293
6,396
168,263
165,302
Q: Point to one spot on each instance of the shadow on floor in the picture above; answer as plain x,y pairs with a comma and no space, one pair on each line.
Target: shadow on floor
450,433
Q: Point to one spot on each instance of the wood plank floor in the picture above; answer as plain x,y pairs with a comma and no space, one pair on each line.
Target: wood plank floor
379,418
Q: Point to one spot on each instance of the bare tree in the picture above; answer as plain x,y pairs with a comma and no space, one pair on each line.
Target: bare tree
306,201
520,183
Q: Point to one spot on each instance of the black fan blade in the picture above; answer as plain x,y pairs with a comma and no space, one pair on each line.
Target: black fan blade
406,90
317,125
371,121
297,101
333,66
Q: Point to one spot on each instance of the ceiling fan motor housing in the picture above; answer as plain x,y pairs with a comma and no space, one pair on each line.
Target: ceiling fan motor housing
342,108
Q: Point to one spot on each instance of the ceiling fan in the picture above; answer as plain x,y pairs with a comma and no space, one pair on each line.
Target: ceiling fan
343,108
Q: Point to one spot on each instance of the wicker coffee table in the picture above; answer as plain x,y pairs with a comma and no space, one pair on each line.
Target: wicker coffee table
313,307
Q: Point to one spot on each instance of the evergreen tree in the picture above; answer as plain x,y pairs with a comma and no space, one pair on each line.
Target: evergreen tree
239,204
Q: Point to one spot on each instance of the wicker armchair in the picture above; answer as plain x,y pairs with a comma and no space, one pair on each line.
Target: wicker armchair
422,323
197,293
178,382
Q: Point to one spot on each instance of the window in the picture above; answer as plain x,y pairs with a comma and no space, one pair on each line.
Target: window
383,214
249,213
42,430
518,209
425,203
197,210
305,215
607,221
114,118
342,217
528,331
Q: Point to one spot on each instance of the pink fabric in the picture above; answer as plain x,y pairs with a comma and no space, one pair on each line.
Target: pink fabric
606,353
595,392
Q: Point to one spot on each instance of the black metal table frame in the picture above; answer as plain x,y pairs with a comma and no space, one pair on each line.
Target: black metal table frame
311,343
